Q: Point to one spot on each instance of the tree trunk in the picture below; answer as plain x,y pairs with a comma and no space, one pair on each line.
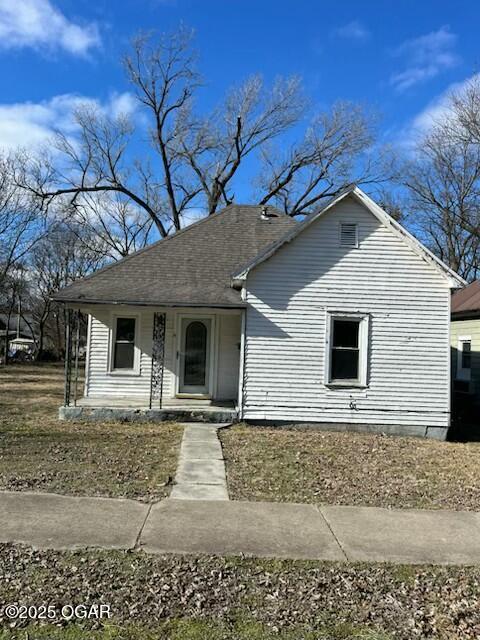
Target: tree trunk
7,329
41,328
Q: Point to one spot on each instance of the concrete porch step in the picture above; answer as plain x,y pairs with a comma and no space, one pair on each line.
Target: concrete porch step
211,414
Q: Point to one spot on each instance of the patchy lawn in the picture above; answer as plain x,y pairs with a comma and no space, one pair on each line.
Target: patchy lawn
302,465
40,453
192,598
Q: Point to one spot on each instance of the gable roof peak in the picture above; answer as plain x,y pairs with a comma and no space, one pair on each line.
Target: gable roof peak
417,247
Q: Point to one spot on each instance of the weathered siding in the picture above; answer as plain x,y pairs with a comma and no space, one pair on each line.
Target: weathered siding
100,382
408,302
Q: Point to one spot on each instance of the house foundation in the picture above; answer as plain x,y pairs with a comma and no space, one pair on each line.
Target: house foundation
224,412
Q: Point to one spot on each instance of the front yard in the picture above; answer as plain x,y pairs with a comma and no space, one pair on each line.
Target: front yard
154,597
302,465
40,453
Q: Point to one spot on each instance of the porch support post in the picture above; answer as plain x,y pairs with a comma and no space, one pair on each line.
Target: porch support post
76,350
158,358
68,357
241,373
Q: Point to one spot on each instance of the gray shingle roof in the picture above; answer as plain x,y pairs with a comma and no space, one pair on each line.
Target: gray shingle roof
190,268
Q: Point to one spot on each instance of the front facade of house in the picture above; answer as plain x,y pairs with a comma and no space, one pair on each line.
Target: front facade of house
380,298
201,353
341,320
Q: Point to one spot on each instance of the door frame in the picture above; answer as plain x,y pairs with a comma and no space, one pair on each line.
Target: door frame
212,373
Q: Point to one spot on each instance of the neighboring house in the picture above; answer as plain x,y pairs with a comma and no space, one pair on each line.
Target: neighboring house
18,326
343,319
20,336
465,342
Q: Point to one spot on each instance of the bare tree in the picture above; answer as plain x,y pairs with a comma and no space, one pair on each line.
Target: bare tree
334,153
394,203
117,224
194,160
56,261
94,162
443,182
21,224
251,116
164,78
465,108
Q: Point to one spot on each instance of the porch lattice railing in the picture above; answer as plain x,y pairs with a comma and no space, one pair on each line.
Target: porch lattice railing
158,359
72,344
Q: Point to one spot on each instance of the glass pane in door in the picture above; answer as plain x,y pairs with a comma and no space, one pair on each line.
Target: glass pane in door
195,367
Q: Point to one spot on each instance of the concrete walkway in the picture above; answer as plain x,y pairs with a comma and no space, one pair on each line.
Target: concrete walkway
201,469
261,529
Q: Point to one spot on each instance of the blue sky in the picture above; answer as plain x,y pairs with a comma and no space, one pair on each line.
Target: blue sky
400,57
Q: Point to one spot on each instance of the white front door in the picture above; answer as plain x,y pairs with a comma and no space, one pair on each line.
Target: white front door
194,355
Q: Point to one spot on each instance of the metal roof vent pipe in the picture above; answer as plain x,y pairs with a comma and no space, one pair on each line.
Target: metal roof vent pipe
266,214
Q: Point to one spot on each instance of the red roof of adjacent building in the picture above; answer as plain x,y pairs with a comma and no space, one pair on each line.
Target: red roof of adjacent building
467,300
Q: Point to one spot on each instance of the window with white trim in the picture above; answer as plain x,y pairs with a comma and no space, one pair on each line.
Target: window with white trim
346,349
464,358
348,234
123,351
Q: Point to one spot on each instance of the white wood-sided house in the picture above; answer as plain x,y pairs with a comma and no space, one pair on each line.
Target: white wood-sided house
343,319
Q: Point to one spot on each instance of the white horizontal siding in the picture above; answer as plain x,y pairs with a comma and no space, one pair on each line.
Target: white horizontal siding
228,356
102,383
408,303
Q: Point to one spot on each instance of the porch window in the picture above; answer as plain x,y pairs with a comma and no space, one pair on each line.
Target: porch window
124,344
346,349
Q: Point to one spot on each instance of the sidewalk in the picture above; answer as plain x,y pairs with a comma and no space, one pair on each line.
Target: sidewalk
281,530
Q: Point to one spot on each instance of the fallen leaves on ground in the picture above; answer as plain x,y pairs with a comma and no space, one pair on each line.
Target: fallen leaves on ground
308,465
402,602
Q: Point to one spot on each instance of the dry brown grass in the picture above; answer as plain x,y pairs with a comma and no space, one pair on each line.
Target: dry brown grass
38,452
301,465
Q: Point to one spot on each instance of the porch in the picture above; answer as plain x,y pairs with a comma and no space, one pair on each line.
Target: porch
154,364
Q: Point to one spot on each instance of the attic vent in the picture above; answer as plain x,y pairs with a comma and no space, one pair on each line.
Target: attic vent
348,234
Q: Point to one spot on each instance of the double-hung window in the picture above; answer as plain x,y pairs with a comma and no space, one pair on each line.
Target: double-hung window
464,360
123,344
346,349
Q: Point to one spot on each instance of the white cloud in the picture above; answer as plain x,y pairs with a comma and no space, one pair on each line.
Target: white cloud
353,30
425,57
30,124
439,107
122,104
435,110
40,25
